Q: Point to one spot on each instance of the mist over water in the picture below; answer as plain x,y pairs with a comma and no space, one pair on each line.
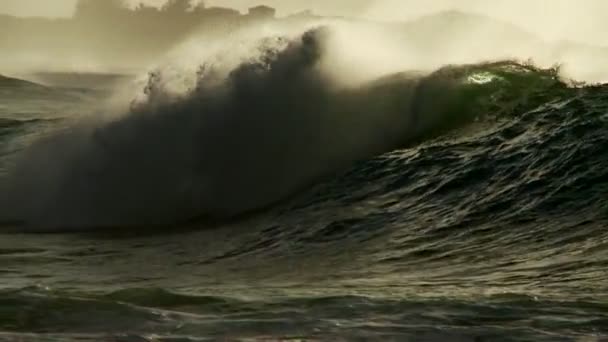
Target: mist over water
99,37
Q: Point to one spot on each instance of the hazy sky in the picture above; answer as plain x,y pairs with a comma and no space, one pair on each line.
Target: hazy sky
582,20
37,7
65,7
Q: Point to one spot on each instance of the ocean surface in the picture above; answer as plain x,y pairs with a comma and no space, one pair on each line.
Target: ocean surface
487,223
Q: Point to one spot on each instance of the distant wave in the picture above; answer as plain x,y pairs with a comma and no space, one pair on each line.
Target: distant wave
9,123
15,82
12,123
241,142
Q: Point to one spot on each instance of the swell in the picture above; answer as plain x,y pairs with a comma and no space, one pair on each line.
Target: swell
6,123
240,141
170,316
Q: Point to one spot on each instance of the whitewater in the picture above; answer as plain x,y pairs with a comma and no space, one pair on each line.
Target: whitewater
266,194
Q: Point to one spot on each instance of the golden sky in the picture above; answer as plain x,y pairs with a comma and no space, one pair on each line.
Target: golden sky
65,7
582,20
37,7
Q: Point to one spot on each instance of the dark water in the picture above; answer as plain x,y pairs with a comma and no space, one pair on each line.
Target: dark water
492,228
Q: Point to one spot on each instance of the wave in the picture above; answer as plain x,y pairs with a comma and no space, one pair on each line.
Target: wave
10,123
6,123
142,312
241,141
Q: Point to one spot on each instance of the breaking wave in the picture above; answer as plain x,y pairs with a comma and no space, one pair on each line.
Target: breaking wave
242,140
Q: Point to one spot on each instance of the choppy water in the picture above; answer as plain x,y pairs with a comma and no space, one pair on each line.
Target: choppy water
494,229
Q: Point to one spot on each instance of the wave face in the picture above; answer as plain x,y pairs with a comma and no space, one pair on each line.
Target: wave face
466,204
